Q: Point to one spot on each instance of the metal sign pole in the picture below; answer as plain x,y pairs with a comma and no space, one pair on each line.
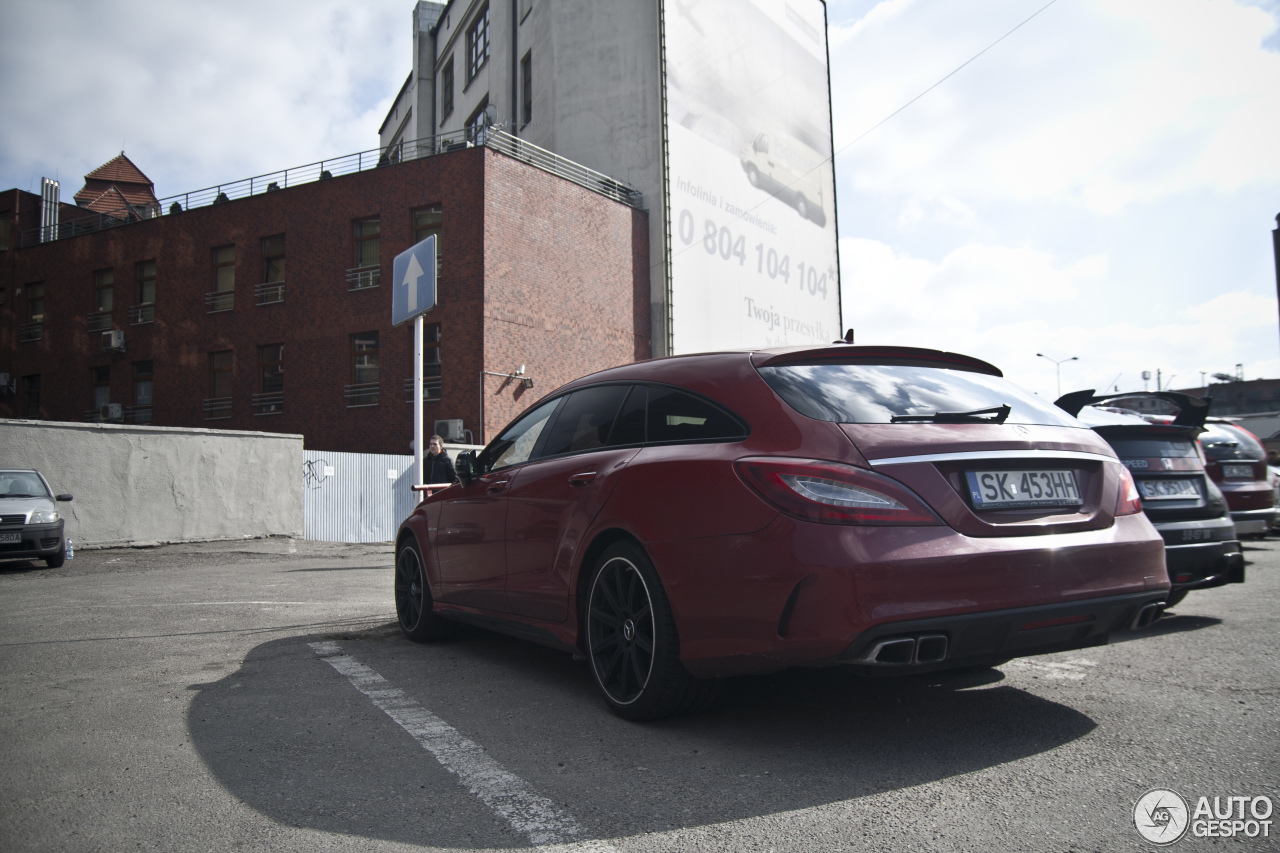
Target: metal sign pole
417,403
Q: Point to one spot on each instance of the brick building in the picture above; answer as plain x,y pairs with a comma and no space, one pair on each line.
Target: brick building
272,311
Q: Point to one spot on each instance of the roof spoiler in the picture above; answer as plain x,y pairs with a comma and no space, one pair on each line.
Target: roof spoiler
1192,411
884,355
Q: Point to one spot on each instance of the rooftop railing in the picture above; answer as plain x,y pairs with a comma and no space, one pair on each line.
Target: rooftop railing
321,170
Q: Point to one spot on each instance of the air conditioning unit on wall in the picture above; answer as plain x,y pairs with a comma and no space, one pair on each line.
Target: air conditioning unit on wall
111,413
113,340
450,430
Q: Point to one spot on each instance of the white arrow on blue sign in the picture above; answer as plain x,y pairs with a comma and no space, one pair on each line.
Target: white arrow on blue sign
414,275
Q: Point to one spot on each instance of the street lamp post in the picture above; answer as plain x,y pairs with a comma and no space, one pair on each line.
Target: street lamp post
1057,366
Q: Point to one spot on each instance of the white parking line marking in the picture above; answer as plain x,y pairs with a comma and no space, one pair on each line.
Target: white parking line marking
508,795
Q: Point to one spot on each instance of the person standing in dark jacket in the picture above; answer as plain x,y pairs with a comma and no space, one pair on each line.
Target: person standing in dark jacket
436,467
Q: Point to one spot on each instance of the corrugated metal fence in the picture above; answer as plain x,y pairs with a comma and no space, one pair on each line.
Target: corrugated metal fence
358,497
355,497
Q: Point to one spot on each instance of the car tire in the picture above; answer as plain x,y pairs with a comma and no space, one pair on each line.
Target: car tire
55,561
631,640
413,597
802,206
753,175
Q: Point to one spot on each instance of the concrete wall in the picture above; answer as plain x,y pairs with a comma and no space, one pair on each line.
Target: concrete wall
140,484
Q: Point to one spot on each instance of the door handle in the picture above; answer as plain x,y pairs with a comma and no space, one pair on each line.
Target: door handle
498,485
582,479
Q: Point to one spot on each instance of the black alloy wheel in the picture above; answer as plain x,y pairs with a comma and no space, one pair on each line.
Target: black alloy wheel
413,597
632,643
621,630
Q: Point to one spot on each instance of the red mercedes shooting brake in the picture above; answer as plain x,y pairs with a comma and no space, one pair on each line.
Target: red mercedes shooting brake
890,509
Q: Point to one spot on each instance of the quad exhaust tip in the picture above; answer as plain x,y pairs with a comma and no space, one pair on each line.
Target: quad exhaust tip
904,651
1148,615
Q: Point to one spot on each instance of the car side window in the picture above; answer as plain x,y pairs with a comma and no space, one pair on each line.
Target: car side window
629,426
677,416
516,443
584,421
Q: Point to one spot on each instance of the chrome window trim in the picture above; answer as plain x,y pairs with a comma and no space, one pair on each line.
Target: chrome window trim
979,455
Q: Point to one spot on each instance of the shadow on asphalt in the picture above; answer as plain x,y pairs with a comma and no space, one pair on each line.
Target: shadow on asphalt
21,567
292,738
1170,623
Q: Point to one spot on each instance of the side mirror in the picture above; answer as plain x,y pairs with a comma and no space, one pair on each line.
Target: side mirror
63,498
465,466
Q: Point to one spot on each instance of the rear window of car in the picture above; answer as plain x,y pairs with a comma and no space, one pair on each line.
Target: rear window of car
1152,448
1223,441
876,393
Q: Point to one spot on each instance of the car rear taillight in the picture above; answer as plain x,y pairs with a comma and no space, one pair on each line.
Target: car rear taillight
1130,501
833,494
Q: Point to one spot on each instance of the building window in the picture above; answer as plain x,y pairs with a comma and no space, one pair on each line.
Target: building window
426,222
367,272
6,229
99,319
272,287
104,290
271,365
270,397
218,403
33,329
364,358
446,90
101,386
220,373
478,43
526,82
222,298
142,386
363,390
35,302
478,123
145,310
367,234
31,395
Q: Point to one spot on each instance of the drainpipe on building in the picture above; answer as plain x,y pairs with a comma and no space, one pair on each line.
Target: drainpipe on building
515,68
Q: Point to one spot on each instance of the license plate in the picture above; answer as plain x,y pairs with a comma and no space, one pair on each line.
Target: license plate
1237,472
1013,489
10,537
1168,489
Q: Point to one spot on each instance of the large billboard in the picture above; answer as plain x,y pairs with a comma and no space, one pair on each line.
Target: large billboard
751,190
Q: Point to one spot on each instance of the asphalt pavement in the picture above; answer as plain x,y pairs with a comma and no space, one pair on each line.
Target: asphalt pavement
258,696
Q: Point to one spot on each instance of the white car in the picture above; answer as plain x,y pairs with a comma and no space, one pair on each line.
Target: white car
30,525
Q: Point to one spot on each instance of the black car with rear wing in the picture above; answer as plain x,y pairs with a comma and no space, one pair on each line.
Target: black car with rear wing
1202,549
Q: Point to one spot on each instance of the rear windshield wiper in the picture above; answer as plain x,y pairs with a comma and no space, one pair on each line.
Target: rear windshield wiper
997,416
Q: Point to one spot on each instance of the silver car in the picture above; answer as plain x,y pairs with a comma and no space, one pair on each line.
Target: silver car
30,525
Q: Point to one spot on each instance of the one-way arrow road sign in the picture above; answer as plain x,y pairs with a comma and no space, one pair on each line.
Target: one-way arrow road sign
414,274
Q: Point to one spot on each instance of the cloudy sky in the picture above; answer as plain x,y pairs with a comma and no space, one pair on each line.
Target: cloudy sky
1103,183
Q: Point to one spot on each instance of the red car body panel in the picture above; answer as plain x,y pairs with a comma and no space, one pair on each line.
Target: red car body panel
1255,493
752,588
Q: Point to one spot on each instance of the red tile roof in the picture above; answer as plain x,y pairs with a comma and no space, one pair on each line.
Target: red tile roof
114,186
119,170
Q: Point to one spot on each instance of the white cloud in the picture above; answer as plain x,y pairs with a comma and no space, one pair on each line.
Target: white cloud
1103,104
196,92
1007,305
